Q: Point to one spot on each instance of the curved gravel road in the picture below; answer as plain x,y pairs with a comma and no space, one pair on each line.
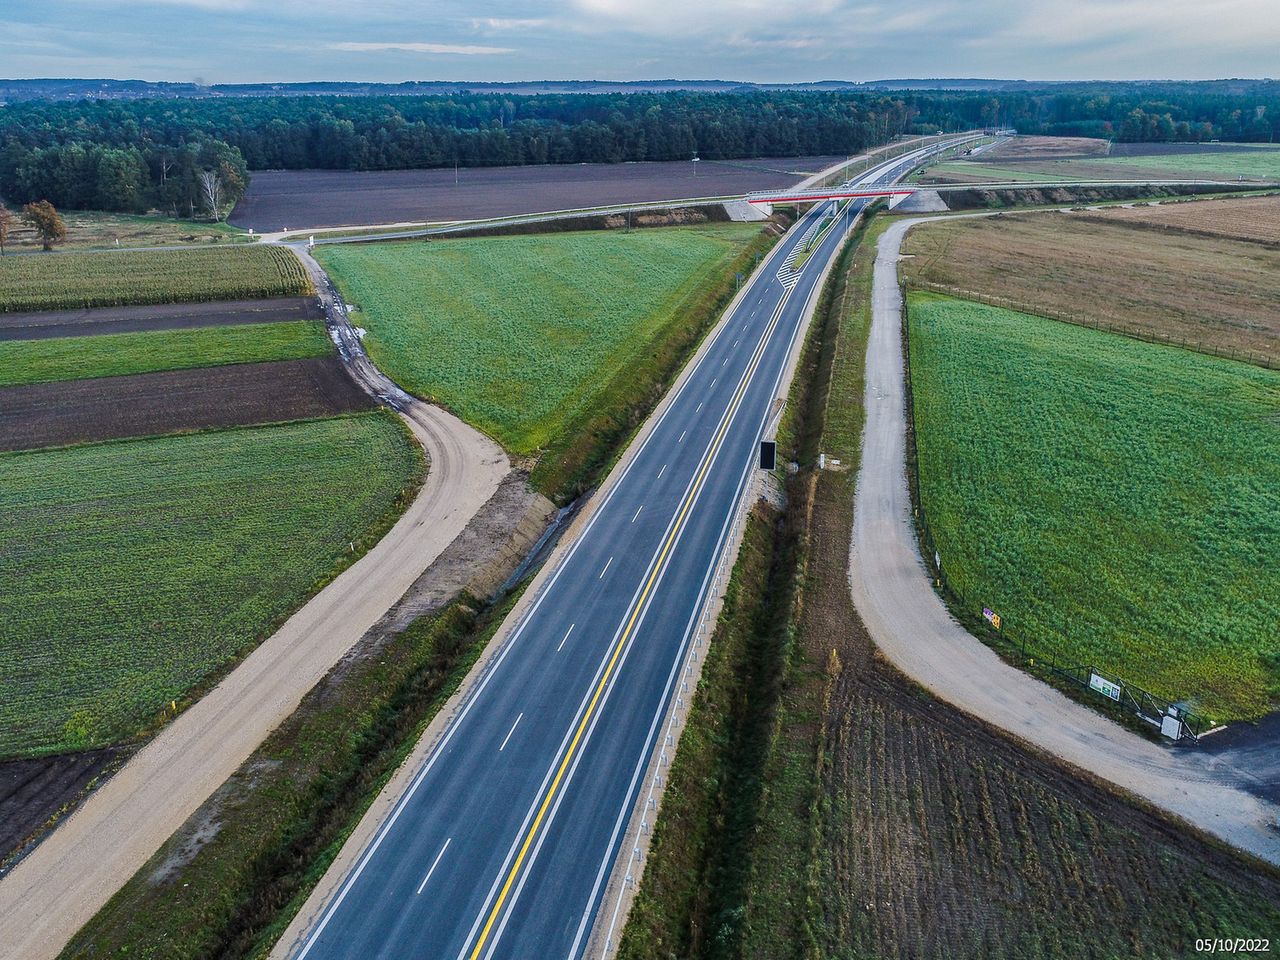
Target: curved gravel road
61,884
912,627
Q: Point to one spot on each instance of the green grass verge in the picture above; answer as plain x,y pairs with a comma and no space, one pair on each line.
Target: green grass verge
690,903
1111,499
230,881
114,354
135,569
531,337
54,281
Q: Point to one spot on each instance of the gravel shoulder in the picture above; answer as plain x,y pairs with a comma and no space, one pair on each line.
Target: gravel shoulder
914,630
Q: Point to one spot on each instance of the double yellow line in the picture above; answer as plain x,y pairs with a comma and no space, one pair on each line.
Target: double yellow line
620,644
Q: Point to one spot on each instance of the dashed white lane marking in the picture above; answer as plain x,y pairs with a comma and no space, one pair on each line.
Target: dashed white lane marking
682,433
638,509
735,343
510,732
606,567
435,863
662,471
713,382
566,636
724,361
699,409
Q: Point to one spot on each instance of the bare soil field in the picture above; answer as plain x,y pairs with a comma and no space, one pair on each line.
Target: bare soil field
50,324
32,791
1043,148
54,414
1215,294
303,199
1255,219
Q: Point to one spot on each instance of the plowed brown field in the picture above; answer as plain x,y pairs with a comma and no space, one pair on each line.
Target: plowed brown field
54,414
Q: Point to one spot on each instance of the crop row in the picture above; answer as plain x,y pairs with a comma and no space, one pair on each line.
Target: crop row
1112,500
518,334
117,354
117,278
132,569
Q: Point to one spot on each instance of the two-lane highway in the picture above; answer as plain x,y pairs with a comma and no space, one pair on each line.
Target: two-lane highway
504,839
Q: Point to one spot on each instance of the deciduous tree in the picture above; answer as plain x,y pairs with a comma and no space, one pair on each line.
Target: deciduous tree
46,222
6,224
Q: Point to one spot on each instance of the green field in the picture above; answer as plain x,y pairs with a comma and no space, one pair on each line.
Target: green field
1261,162
133,569
986,172
520,335
114,354
1115,499
53,281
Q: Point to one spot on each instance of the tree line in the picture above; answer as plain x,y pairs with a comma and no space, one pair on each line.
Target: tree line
143,154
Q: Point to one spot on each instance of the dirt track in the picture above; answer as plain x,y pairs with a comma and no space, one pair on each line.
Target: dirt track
67,878
912,627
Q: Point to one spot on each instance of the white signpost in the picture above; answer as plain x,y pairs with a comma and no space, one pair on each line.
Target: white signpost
1104,686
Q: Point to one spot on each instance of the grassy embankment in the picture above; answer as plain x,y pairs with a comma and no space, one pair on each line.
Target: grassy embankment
135,569
1111,499
76,280
557,345
116,354
94,229
879,817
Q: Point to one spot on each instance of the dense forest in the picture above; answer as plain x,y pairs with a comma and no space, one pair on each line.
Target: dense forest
131,155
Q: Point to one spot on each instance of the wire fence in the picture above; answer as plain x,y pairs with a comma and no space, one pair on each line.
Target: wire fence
1175,720
1255,357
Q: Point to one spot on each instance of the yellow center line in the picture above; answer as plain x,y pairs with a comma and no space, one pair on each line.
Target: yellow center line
622,640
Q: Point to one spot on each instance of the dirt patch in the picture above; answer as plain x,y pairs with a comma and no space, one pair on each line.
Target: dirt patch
478,561
303,199
49,324
34,791
1256,219
1213,294
1043,148
55,414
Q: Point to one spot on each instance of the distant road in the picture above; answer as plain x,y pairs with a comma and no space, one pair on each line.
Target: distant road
909,623
504,839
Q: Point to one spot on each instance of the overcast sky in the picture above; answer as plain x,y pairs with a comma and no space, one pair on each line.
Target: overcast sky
228,41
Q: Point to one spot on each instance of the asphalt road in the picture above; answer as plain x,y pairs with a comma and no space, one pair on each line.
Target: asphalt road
502,843
1222,791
